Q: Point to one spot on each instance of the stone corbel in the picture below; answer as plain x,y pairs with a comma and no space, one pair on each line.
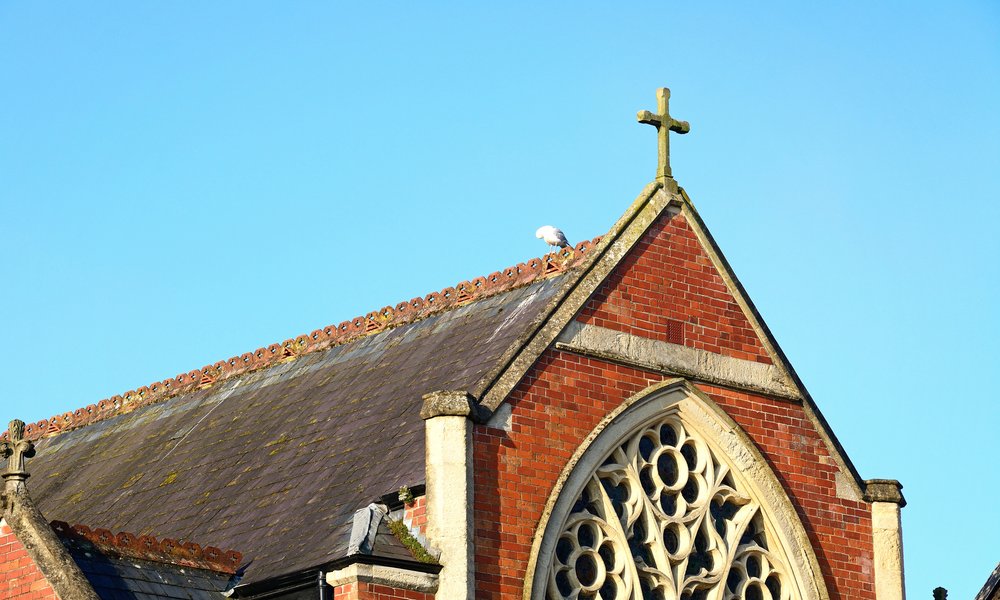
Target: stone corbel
886,498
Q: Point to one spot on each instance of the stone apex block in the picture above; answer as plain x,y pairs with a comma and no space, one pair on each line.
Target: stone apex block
884,490
454,403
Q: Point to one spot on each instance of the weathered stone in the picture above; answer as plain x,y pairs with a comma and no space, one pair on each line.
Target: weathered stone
450,502
452,403
15,451
886,498
673,359
884,490
393,577
664,124
887,544
681,398
31,528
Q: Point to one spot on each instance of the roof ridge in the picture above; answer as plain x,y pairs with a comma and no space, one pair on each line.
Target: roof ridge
388,317
147,547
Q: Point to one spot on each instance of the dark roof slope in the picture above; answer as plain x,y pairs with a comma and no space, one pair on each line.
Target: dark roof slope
275,461
117,578
124,567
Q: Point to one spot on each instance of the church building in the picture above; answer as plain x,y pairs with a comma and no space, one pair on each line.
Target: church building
611,421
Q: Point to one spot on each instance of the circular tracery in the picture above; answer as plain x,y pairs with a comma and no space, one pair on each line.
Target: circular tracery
662,518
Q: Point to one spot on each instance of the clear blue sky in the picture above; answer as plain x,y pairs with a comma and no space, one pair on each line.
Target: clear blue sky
183,182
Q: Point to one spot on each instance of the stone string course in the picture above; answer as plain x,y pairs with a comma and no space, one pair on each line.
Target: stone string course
147,547
388,317
374,591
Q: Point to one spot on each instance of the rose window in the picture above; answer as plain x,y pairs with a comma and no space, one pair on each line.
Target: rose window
662,519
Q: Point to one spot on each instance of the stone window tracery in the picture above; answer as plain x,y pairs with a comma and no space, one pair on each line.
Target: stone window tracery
663,518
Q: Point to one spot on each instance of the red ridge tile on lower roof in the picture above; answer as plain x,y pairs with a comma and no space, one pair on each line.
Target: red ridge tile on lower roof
333,335
147,547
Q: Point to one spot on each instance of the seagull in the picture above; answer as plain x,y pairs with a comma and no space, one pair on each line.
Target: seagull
552,236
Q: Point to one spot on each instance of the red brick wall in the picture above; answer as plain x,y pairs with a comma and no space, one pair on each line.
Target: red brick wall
415,515
669,277
840,530
373,591
563,398
19,576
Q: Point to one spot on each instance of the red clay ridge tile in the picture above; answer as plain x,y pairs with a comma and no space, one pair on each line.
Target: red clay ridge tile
333,335
147,547
206,380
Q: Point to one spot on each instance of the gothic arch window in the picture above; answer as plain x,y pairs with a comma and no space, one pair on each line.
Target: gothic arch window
669,500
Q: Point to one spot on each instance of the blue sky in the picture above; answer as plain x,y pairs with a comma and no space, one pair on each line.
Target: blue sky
184,182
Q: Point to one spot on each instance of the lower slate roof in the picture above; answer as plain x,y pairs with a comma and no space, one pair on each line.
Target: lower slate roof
126,567
118,578
274,462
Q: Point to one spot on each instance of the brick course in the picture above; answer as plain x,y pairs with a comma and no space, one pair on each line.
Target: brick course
666,289
667,280
415,515
565,396
19,576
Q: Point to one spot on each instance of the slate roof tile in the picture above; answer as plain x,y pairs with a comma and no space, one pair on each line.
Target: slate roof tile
127,566
275,461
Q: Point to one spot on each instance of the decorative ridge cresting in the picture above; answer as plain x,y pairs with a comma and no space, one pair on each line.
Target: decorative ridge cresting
147,547
388,317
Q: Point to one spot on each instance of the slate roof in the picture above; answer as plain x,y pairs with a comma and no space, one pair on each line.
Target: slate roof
124,567
117,578
274,461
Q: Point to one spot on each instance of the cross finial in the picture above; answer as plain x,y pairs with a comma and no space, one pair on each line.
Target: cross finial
664,125
15,450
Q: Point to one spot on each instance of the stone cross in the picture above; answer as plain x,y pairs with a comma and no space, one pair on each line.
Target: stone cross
15,450
664,125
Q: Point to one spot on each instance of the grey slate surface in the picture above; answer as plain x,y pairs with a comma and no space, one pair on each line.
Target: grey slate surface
117,578
274,463
388,545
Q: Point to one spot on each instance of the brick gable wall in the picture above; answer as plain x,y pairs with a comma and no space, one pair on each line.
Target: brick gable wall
19,575
564,397
668,280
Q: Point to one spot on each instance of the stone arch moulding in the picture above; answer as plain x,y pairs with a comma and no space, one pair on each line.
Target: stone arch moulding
695,511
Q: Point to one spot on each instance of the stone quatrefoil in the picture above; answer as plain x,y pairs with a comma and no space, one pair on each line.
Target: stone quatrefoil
663,519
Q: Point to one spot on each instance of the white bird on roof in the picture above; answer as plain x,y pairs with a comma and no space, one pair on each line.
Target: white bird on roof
553,236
